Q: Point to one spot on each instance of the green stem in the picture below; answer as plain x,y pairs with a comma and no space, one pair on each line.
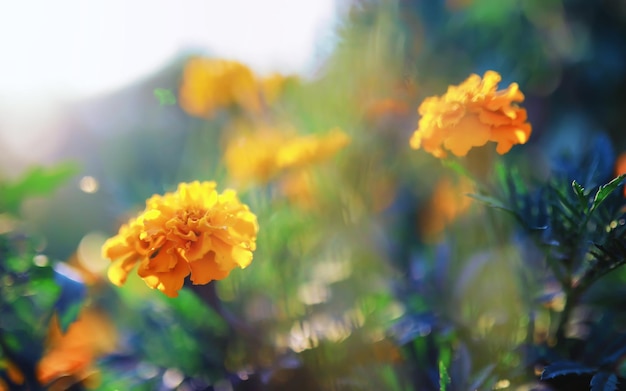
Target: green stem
572,299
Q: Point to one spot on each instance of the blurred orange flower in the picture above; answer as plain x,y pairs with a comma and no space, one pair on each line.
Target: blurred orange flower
471,114
298,188
13,373
73,353
193,231
620,167
261,155
388,106
448,201
212,84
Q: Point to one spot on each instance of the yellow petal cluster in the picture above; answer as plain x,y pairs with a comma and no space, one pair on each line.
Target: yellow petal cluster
470,115
209,84
259,156
212,84
194,231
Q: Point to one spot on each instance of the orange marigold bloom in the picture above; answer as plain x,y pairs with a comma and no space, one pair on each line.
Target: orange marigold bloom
471,114
261,155
194,231
210,84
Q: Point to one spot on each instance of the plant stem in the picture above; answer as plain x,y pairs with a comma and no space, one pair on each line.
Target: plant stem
572,298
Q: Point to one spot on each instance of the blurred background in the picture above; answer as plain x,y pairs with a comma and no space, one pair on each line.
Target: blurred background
373,269
78,78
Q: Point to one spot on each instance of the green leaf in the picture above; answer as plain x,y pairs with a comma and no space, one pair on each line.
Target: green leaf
605,190
71,297
457,167
604,381
495,203
444,378
164,96
580,193
564,368
38,181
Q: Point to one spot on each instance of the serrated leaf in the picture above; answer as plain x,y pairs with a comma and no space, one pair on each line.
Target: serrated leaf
164,96
605,190
580,193
564,368
604,381
38,181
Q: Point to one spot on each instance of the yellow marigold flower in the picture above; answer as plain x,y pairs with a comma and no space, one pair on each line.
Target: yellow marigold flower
211,84
309,149
261,155
471,114
194,231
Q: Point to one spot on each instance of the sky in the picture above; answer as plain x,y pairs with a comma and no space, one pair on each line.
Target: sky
73,48
58,51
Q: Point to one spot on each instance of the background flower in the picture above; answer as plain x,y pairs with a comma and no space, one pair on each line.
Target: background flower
211,84
258,155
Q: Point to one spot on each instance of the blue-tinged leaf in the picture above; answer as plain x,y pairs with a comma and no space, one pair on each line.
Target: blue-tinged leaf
604,381
605,190
70,301
563,368
614,357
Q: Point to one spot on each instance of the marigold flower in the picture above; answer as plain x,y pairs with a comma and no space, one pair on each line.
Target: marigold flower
194,231
471,114
261,155
211,84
